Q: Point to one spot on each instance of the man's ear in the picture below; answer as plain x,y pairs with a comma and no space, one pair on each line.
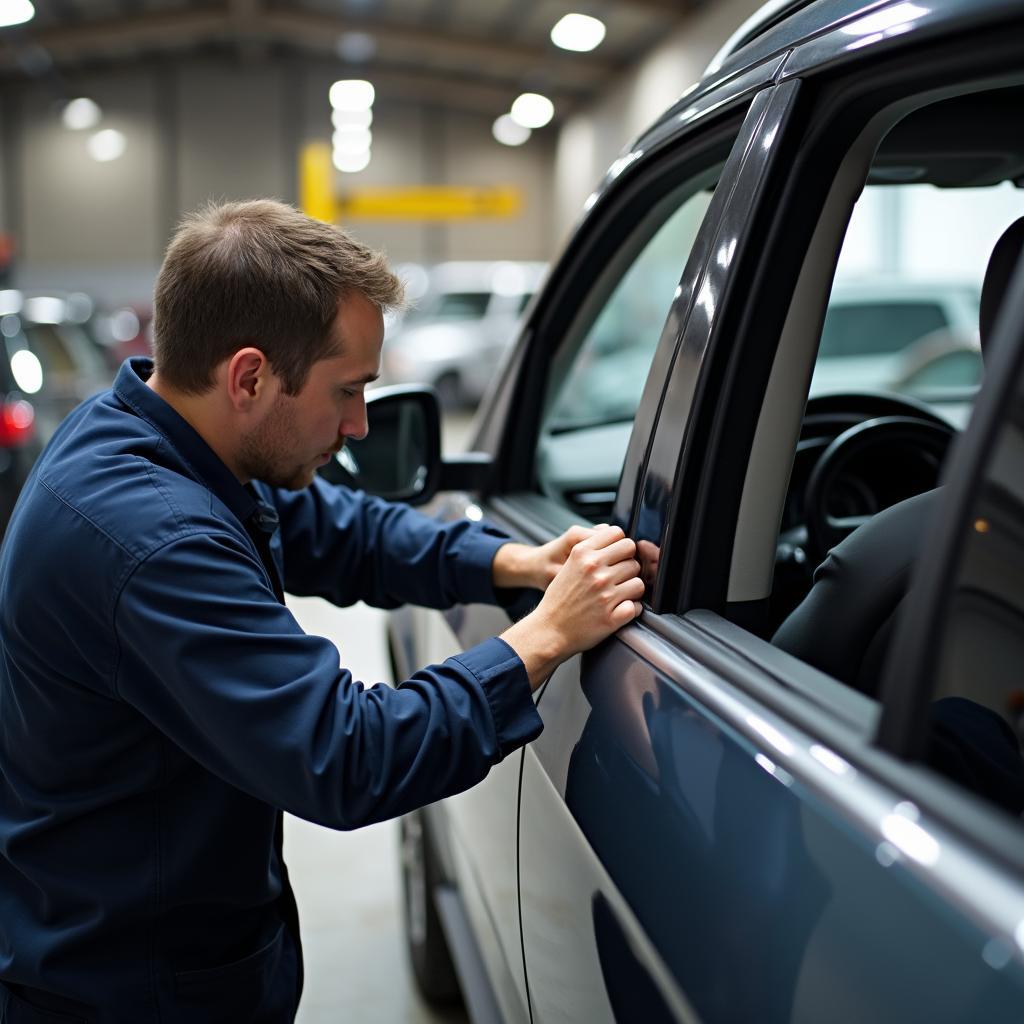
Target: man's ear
249,378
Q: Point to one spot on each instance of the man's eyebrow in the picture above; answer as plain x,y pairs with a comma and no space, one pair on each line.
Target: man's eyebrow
368,379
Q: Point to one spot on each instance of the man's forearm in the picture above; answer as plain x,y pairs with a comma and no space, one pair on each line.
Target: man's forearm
541,649
514,565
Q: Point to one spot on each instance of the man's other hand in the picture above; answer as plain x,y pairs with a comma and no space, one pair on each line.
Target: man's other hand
521,565
597,591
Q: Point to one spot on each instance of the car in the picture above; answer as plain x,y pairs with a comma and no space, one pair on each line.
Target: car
884,333
740,809
455,335
49,363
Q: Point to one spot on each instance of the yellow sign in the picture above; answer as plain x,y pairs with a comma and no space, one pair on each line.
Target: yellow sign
418,202
316,180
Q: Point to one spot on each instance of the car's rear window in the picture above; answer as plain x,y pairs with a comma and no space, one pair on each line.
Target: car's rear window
877,328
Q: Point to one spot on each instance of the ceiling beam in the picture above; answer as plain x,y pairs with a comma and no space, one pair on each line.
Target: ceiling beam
250,21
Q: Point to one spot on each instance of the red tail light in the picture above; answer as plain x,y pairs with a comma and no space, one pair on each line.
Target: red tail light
16,423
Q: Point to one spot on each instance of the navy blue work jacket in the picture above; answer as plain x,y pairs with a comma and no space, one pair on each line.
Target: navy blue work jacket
159,705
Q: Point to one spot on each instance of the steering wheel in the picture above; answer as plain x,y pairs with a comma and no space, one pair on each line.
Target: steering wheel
825,528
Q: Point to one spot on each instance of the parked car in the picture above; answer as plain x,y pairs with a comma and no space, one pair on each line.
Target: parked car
713,825
882,333
456,334
50,362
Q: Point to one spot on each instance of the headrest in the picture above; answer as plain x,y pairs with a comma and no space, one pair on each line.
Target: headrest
1001,265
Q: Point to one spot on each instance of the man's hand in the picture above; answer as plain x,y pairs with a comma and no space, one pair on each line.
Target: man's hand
521,565
597,591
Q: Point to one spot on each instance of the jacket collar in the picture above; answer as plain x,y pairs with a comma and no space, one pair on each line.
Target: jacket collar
130,387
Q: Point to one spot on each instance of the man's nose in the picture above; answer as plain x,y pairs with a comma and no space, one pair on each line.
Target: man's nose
356,425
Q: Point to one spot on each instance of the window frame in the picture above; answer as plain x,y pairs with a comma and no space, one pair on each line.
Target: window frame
834,109
831,114
511,421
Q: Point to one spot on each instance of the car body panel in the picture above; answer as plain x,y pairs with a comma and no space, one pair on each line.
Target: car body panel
708,828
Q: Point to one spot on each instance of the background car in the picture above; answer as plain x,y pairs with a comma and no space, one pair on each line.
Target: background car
715,825
50,362
456,334
883,333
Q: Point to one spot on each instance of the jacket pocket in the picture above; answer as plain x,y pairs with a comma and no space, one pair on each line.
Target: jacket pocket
259,987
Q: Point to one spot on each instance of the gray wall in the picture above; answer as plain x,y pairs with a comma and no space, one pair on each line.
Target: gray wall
202,131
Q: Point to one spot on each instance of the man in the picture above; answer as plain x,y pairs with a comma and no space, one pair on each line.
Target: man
159,705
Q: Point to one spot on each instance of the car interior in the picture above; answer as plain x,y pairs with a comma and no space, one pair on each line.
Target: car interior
860,452
865,475
852,469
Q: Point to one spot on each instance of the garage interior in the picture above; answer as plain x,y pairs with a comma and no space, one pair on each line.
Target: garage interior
219,99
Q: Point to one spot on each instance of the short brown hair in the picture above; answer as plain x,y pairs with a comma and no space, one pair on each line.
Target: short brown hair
257,273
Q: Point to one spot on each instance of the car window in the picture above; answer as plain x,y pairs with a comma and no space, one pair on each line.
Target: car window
461,305
975,720
593,396
876,328
897,364
903,314
605,382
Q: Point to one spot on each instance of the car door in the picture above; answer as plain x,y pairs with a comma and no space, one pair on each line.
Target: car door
599,938
581,370
756,849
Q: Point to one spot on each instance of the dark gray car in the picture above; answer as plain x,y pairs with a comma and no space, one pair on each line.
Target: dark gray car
719,823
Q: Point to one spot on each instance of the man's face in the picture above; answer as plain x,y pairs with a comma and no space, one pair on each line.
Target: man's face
302,432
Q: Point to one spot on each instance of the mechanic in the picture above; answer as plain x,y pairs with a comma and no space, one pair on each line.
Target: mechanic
159,704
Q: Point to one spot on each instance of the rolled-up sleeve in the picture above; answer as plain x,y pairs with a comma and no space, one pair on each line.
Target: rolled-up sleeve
223,669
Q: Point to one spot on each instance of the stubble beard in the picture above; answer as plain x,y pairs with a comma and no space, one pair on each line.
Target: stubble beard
266,456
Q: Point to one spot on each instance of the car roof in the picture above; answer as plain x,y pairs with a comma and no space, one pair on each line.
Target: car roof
767,16
486,276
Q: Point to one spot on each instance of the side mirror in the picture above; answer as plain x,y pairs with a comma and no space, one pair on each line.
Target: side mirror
400,457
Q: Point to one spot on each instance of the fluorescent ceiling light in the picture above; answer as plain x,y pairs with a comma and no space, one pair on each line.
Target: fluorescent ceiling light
509,132
351,118
578,32
354,140
106,145
16,12
352,94
532,110
81,113
351,163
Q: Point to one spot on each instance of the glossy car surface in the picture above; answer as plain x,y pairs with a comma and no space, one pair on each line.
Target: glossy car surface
711,827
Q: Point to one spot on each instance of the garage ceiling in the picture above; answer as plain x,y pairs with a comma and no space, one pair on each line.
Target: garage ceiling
470,54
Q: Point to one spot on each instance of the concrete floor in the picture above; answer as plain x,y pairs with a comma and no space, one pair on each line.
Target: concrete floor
348,883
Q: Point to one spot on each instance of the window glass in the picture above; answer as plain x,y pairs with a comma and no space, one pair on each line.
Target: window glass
898,366
903,313
876,328
976,719
593,397
606,380
462,305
